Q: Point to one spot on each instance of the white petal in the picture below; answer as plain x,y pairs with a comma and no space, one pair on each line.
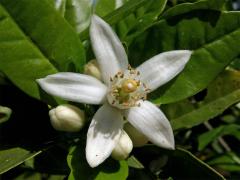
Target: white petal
163,67
150,120
108,49
74,87
103,134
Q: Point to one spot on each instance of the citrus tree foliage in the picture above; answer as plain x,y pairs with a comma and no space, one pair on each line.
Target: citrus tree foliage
39,38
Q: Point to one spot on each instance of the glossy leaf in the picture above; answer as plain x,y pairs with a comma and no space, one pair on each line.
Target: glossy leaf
219,98
187,7
142,19
50,32
227,162
180,164
150,18
104,7
189,161
117,15
109,170
10,158
134,162
213,36
21,61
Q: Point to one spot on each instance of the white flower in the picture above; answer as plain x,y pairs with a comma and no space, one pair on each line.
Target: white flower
122,94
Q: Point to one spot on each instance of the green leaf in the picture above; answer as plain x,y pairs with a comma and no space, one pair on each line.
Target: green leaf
215,41
21,61
187,7
104,7
228,162
180,164
109,170
134,163
193,166
236,63
10,158
5,113
219,97
144,18
208,137
145,22
38,176
50,32
117,15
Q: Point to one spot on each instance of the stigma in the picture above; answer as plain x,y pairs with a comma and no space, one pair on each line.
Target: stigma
126,89
129,85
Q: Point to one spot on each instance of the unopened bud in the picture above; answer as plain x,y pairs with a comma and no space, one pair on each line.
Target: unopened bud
5,113
92,69
67,118
123,147
137,138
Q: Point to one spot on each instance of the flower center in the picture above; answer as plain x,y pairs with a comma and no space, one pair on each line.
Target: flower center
129,85
126,89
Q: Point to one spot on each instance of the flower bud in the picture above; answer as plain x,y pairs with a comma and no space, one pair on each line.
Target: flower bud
92,69
67,118
5,113
123,147
137,138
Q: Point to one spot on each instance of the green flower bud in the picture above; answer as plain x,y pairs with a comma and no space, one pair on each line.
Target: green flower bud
123,147
67,118
137,138
92,69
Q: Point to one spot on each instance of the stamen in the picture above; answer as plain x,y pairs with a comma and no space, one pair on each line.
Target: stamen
126,89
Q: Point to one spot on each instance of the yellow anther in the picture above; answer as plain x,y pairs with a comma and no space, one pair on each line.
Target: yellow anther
129,86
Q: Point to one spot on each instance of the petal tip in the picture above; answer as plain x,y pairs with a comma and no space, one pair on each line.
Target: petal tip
93,159
40,81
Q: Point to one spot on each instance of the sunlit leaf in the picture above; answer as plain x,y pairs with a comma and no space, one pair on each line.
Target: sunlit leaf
109,170
10,158
21,61
219,97
49,31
